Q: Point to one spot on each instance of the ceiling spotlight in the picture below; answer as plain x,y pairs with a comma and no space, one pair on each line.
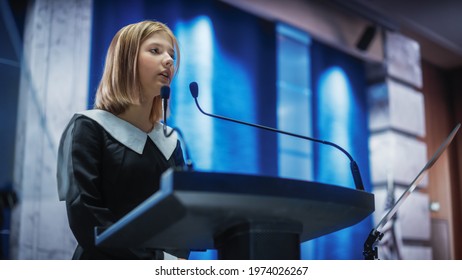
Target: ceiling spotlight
366,38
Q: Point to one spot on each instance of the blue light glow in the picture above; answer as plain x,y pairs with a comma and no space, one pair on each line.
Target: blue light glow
196,65
334,117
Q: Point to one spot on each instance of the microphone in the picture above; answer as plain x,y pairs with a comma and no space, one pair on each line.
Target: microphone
194,89
165,95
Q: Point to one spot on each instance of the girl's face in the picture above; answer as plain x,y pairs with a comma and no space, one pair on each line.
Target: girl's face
155,64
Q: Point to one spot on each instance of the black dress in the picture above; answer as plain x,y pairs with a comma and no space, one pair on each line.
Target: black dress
107,167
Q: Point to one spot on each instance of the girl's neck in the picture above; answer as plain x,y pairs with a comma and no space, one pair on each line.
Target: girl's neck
139,116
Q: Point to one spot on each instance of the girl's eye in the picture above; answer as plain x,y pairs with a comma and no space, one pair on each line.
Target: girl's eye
155,50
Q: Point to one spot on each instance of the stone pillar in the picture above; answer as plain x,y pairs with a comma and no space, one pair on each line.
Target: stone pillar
397,149
54,85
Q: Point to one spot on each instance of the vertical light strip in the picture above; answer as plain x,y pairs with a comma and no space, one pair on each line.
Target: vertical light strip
335,112
294,102
196,65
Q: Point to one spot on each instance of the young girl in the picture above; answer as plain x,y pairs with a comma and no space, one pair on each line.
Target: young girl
111,158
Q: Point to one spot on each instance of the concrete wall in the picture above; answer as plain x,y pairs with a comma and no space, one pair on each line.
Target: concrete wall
54,85
397,149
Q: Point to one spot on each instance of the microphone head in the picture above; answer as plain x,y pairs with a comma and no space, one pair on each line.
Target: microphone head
194,89
165,92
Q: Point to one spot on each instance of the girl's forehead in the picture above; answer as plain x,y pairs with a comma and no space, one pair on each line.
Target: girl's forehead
160,37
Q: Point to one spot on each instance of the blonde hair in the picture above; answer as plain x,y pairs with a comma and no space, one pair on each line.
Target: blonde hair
120,86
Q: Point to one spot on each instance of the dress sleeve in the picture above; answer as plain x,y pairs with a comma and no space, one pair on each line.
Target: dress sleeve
79,181
85,204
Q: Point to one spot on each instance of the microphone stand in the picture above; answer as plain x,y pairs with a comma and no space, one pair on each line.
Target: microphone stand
370,251
165,95
193,87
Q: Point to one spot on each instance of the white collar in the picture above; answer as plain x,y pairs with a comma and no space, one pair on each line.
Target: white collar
131,136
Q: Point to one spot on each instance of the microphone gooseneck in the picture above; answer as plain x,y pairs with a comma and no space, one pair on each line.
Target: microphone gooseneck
165,95
194,89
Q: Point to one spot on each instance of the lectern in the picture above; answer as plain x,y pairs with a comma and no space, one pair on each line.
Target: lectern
242,216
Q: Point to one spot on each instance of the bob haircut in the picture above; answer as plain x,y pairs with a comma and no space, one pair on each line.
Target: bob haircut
120,86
